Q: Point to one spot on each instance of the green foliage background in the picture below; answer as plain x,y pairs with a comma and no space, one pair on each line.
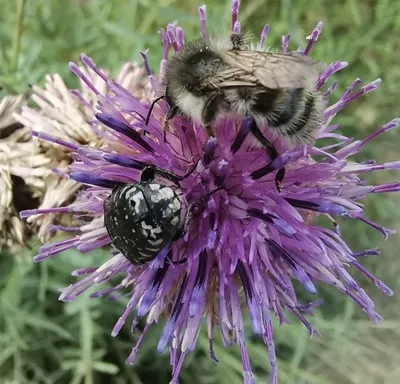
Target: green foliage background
44,341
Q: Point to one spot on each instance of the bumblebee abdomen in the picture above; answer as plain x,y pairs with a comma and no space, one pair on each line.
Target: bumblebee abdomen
287,106
295,113
302,129
265,100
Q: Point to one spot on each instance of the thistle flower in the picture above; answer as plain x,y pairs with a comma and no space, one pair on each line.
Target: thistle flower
65,115
247,244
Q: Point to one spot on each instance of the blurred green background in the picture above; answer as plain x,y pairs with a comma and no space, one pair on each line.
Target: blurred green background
44,341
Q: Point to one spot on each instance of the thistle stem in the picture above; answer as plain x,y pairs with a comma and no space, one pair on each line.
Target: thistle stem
17,34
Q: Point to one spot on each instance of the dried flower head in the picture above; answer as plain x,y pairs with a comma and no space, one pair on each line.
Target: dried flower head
246,242
17,162
65,115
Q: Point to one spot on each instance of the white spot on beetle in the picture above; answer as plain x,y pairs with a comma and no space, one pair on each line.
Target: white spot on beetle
157,230
166,213
137,198
153,231
155,242
155,198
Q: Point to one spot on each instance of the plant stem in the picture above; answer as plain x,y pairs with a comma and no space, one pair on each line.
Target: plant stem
17,34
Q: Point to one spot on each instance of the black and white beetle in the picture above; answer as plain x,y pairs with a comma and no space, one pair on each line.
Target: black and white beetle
145,217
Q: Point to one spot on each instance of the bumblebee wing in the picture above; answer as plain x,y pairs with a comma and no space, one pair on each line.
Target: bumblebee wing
251,68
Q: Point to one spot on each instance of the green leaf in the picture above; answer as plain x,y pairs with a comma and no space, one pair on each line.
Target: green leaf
103,367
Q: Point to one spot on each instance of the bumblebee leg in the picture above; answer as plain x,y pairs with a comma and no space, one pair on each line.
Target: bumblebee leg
188,219
189,213
172,112
209,130
177,262
210,110
272,152
151,109
280,175
149,174
168,259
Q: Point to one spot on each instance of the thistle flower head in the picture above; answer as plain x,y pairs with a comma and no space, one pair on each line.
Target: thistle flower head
246,243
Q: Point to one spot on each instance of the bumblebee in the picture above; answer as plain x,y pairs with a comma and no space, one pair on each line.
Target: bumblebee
212,78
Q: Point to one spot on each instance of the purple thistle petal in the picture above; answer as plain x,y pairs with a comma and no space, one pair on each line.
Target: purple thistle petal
55,248
312,39
121,127
236,27
209,150
33,212
165,43
241,136
330,89
90,64
385,232
264,35
274,165
149,296
55,140
330,70
202,15
235,12
298,271
368,252
172,37
77,72
383,287
145,62
254,310
87,178
176,310
325,206
123,161
387,127
62,228
285,43
351,88
180,37
131,358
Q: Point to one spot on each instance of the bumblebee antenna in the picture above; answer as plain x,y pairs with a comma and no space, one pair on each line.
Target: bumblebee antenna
151,109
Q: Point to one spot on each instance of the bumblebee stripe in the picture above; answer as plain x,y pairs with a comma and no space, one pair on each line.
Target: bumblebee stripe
264,101
302,120
290,102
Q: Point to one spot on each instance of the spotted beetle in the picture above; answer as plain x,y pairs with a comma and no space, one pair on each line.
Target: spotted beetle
143,218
